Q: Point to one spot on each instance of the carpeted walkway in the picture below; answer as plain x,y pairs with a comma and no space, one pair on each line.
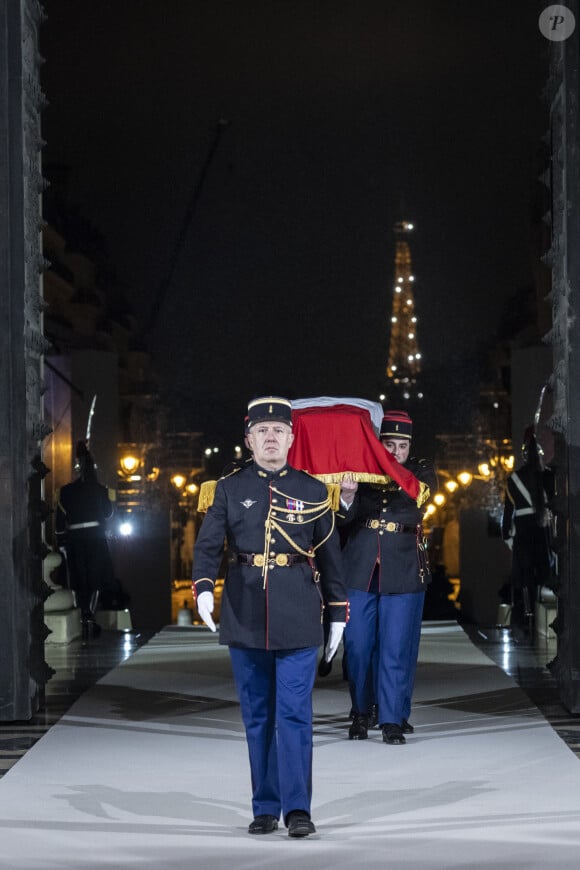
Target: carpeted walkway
149,769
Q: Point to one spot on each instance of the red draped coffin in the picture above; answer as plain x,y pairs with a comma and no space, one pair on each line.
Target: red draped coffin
332,441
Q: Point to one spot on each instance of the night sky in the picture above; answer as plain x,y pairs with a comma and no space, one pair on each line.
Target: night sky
344,118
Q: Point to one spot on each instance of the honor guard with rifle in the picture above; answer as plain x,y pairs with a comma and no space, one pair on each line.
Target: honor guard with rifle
81,514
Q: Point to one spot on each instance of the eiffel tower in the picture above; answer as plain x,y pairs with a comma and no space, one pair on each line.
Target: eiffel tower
404,365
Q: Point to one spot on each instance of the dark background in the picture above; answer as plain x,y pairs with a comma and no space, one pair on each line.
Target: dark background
344,118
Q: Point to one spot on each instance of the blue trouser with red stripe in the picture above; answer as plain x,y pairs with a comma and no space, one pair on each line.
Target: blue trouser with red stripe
275,692
382,634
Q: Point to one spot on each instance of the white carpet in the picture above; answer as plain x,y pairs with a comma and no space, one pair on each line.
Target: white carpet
149,770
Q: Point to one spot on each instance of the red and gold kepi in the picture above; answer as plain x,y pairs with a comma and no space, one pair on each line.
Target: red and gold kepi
397,424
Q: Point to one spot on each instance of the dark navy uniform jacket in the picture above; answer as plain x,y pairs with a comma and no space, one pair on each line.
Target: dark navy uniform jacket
395,553
283,608
81,514
84,505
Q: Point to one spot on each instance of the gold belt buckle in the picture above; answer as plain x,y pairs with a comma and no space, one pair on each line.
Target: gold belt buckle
375,524
282,560
391,527
258,560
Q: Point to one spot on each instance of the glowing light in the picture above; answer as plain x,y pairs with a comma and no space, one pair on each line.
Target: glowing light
129,463
393,319
430,509
382,397
207,451
192,488
465,478
411,277
409,301
397,289
126,529
178,480
417,356
439,499
410,357
411,335
400,280
451,485
484,469
413,320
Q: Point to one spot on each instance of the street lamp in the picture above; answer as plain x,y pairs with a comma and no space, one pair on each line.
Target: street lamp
129,463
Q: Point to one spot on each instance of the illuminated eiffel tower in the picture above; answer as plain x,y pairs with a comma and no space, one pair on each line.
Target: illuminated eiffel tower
404,365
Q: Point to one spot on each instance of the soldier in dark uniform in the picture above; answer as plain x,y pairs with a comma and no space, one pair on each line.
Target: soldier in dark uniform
280,532
82,510
526,527
387,570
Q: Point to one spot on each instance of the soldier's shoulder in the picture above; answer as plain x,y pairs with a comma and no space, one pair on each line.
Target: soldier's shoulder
420,462
309,479
230,471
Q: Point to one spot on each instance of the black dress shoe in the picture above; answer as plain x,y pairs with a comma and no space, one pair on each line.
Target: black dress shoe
263,825
393,734
406,727
324,667
359,730
299,824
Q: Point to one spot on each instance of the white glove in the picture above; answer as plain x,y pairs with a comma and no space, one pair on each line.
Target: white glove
509,542
205,608
334,638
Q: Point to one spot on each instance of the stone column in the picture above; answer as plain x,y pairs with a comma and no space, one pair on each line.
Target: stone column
22,589
563,93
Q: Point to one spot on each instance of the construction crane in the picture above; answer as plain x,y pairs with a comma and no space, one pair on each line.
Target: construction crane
165,283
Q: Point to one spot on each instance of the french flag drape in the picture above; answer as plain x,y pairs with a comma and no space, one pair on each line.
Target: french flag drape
335,437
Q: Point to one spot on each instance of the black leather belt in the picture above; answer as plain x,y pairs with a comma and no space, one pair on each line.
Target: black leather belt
278,560
400,528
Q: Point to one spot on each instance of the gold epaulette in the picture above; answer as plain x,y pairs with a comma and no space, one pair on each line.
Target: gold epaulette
207,491
333,490
424,493
206,495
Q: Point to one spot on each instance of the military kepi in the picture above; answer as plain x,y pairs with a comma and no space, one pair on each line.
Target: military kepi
396,424
269,408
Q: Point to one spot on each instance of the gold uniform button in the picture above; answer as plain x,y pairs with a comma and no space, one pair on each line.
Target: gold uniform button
391,527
